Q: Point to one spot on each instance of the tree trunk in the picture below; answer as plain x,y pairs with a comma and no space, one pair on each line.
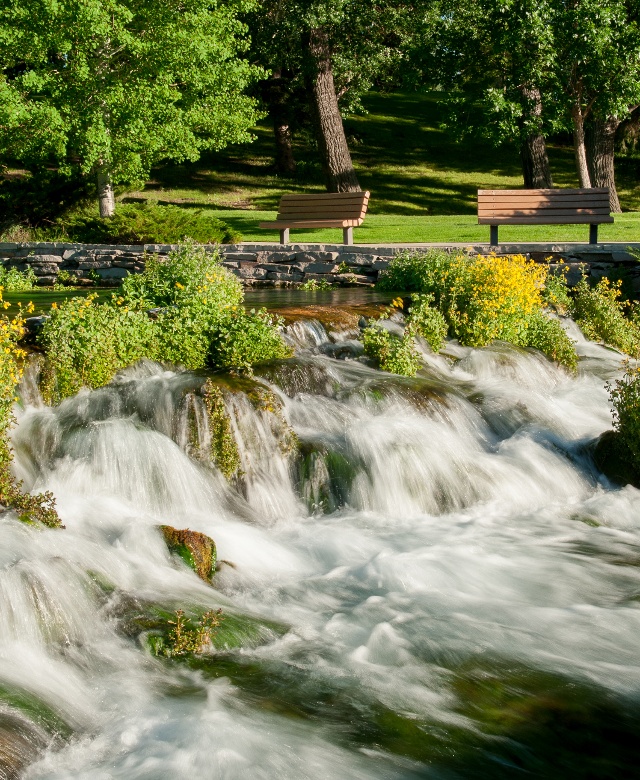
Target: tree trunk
275,95
535,163
106,198
579,146
600,139
533,152
336,160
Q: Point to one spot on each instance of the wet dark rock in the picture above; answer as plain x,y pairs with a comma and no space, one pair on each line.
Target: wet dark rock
197,550
343,350
612,458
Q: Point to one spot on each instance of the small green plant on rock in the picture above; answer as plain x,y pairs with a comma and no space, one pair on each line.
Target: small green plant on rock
313,285
187,636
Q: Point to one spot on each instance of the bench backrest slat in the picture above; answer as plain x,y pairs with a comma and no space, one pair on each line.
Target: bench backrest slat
536,205
339,205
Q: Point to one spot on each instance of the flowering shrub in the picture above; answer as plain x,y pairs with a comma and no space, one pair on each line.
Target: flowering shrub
175,280
87,342
30,508
11,357
484,298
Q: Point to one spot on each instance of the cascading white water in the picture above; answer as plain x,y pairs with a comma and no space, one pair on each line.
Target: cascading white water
425,528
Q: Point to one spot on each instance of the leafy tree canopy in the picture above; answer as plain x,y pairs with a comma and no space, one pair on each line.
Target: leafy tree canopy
114,86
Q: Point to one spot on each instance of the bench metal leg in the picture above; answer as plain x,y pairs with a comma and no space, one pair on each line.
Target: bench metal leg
347,235
284,236
493,240
593,234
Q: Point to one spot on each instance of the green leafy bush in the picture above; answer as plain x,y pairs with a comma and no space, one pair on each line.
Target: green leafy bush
601,316
201,321
392,353
183,274
149,224
555,292
246,338
625,399
12,280
548,335
426,321
86,343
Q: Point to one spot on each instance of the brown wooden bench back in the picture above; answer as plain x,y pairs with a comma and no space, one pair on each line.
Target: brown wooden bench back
544,207
350,207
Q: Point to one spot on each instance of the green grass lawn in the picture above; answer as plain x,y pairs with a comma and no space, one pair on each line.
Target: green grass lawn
423,184
390,228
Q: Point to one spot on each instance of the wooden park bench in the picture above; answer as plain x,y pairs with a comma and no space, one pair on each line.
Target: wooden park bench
344,210
544,207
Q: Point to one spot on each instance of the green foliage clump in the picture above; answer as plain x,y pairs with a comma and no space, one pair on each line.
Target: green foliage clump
187,636
601,316
625,400
555,292
12,280
224,449
149,224
393,353
484,298
426,321
181,275
398,354
247,338
86,343
313,285
201,322
547,335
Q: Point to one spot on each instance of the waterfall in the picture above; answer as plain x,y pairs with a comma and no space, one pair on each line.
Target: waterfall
426,571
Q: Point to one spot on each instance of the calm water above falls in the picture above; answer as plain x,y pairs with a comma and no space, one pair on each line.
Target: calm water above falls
456,587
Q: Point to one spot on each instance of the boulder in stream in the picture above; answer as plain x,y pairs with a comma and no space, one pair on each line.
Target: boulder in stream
197,550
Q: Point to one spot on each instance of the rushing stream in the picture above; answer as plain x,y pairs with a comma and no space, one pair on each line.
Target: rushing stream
442,583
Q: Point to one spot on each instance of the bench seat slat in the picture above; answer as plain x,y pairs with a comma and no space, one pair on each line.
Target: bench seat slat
500,212
303,223
537,220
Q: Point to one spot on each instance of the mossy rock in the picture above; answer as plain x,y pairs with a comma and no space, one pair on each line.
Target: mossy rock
612,458
325,476
197,550
28,727
151,624
546,724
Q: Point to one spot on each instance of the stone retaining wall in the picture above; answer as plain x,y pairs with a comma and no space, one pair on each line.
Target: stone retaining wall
274,265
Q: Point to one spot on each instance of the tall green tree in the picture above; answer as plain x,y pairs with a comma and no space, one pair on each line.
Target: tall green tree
495,60
598,67
330,52
107,88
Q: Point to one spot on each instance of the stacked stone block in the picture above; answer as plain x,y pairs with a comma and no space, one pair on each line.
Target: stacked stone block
272,265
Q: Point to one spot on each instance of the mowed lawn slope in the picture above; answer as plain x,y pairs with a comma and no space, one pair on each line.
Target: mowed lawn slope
423,183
